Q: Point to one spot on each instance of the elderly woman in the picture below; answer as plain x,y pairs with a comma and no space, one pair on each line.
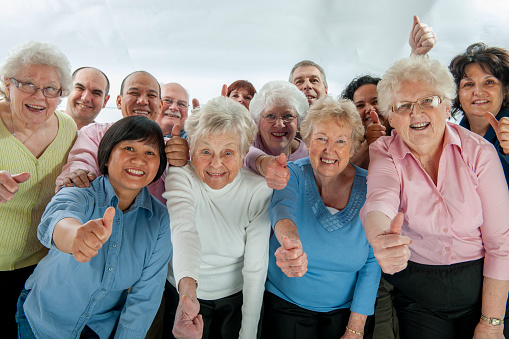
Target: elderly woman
220,226
118,236
278,109
241,91
482,77
446,250
323,279
36,139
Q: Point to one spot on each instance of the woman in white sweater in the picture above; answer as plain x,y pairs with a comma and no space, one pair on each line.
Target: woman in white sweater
220,227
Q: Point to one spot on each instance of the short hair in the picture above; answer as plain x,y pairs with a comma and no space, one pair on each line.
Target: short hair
414,68
137,128
305,63
241,84
327,110
125,79
107,91
357,82
492,60
279,93
221,115
36,53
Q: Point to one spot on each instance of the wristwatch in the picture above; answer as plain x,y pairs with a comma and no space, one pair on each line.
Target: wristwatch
493,321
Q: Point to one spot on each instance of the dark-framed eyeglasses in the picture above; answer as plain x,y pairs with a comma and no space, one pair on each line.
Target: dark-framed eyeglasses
29,88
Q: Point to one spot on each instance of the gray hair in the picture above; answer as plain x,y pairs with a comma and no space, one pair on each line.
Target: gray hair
305,63
278,93
221,115
414,68
36,53
327,110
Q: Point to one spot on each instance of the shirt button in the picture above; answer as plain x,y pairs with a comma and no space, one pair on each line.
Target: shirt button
104,290
447,249
95,300
446,230
110,269
118,221
114,245
87,315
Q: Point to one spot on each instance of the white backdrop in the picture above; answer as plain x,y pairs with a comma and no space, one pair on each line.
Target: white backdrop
203,44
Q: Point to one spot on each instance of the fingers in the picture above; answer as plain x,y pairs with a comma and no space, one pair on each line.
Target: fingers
81,178
392,252
291,259
503,134
188,323
277,173
373,132
422,37
196,103
177,151
21,177
91,236
224,90
9,185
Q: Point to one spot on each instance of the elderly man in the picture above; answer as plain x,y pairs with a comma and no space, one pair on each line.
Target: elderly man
139,95
310,79
175,108
88,96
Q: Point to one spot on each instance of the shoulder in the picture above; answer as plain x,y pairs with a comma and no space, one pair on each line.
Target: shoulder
96,129
66,125
252,179
470,141
360,172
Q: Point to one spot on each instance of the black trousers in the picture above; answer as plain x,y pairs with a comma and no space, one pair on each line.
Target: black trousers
442,301
284,320
11,284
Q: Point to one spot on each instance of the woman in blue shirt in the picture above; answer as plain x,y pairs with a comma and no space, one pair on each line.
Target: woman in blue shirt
323,279
109,246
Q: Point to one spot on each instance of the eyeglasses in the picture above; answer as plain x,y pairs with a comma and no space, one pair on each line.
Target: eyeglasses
287,118
180,104
406,107
29,88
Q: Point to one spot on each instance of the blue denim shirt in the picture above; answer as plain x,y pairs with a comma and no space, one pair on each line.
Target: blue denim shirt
65,295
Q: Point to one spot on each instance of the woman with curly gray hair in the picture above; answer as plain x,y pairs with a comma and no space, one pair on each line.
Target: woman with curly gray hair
35,142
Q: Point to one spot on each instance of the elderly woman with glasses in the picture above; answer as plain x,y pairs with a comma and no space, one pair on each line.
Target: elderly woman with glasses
322,279
220,227
436,210
36,139
278,109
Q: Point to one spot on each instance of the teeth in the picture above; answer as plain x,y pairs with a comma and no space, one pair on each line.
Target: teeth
310,97
280,134
140,112
327,161
420,125
35,107
135,171
172,114
84,106
480,101
215,174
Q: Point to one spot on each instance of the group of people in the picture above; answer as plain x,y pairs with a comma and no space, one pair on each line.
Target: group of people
278,213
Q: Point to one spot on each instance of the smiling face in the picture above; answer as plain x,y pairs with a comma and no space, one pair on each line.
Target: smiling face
217,159
140,96
330,147
176,112
132,165
365,99
480,92
277,136
309,81
242,96
88,96
422,130
33,108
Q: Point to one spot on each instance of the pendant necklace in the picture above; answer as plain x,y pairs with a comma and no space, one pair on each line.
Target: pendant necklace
14,132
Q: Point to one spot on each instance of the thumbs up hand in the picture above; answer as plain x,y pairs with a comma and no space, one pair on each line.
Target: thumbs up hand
91,236
422,37
391,248
277,173
291,259
177,148
9,184
501,128
375,130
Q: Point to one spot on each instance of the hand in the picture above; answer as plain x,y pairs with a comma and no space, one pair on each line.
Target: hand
196,103
177,148
277,173
9,184
91,236
422,37
485,331
224,90
375,130
291,259
350,335
80,177
501,128
188,323
391,248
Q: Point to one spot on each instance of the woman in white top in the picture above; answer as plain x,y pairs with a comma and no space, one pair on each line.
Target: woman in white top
220,227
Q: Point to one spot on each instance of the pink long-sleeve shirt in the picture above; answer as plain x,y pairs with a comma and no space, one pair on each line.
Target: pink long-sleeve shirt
464,217
83,155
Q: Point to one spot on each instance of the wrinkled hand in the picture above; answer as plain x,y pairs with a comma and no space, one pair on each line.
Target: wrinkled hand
177,148
502,129
422,37
9,184
91,236
291,259
188,323
196,103
80,177
277,173
485,331
391,248
375,130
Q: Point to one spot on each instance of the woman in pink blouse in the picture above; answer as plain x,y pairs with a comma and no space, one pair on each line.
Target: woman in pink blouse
436,210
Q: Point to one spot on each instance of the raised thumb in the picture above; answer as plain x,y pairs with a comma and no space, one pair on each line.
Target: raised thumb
281,159
374,117
224,90
20,177
108,217
397,223
492,120
287,243
175,131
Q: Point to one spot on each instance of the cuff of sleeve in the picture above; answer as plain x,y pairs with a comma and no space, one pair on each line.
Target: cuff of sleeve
47,237
495,267
377,206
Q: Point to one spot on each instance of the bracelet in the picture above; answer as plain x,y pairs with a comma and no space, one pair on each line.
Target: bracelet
354,332
492,321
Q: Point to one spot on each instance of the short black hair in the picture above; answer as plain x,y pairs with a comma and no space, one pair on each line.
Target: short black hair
125,79
132,128
356,83
107,90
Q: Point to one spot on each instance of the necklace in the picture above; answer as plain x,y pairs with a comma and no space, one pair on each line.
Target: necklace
14,132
